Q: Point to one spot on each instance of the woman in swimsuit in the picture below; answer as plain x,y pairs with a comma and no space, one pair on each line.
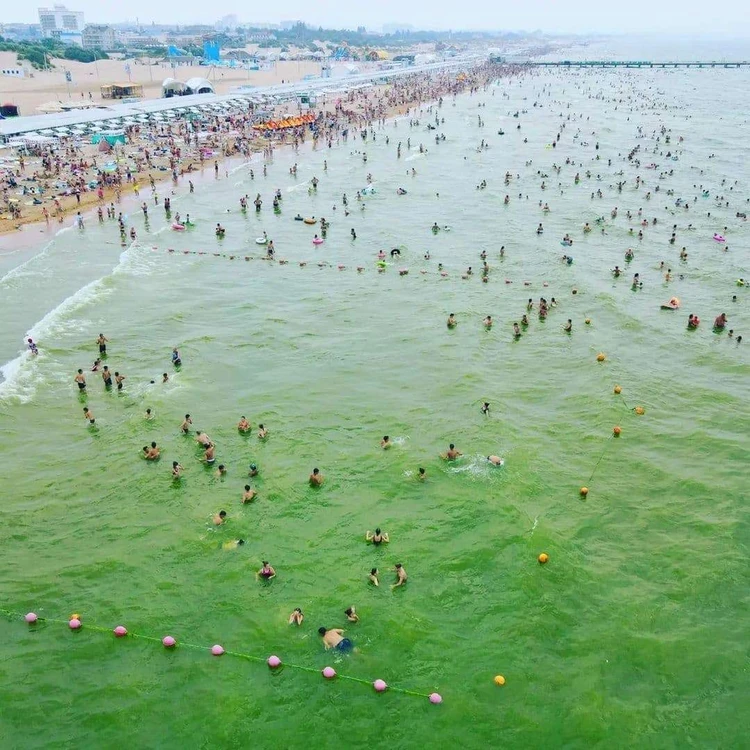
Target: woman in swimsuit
266,572
377,538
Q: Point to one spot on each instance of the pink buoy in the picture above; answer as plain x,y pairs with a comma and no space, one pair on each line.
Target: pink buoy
273,662
329,673
436,698
31,618
380,686
217,650
168,641
74,623
120,631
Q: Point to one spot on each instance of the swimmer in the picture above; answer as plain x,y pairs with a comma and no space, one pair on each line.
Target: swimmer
201,437
451,454
486,408
452,322
88,414
185,427
373,577
243,425
253,472
333,638
385,443
210,455
488,322
296,618
80,379
149,414
568,327
221,471
151,453
164,377
233,544
720,321
262,432
176,361
118,380
495,460
516,331
316,478
176,470
266,572
377,538
97,364
32,347
421,474
351,614
220,518
401,576
248,495
107,377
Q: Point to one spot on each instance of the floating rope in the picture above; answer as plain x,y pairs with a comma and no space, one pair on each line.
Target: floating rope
273,662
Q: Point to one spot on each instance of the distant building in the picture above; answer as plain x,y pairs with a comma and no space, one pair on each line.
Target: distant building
58,19
99,37
286,25
395,28
228,22
18,32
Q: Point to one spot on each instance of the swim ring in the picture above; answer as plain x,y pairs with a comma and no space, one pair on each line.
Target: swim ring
178,227
317,241
310,221
261,240
720,238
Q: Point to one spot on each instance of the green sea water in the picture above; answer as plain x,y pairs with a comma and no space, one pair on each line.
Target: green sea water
634,634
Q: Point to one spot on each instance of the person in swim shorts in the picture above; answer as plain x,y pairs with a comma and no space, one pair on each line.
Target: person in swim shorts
334,638
118,379
200,437
209,456
220,518
80,378
249,494
107,377
88,414
385,443
185,426
102,342
296,618
316,478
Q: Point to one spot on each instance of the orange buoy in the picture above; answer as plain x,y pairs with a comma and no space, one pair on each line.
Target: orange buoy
639,410
601,357
618,389
616,431
584,491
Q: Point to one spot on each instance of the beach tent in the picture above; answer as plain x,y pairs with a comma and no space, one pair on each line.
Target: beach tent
111,137
199,86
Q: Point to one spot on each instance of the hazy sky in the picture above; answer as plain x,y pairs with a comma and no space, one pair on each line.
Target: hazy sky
571,16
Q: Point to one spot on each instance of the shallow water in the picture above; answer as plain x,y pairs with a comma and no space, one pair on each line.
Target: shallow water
632,632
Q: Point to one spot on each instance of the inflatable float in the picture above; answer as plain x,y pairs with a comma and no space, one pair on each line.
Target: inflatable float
720,238
178,227
261,240
317,241
310,221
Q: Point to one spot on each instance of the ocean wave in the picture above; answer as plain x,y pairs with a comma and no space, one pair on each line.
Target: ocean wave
22,374
21,269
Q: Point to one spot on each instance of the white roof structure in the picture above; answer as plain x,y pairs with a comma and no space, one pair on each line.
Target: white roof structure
199,86
13,126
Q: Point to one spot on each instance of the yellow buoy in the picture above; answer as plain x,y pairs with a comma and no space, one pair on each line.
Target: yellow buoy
499,680
639,410
618,389
601,357
584,491
543,558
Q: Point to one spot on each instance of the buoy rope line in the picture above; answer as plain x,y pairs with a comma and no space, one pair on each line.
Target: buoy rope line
380,265
168,642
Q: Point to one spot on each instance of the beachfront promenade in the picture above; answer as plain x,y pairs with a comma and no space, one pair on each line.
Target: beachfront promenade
111,116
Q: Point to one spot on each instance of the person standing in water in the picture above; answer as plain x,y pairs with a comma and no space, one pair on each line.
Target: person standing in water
266,572
80,379
102,342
